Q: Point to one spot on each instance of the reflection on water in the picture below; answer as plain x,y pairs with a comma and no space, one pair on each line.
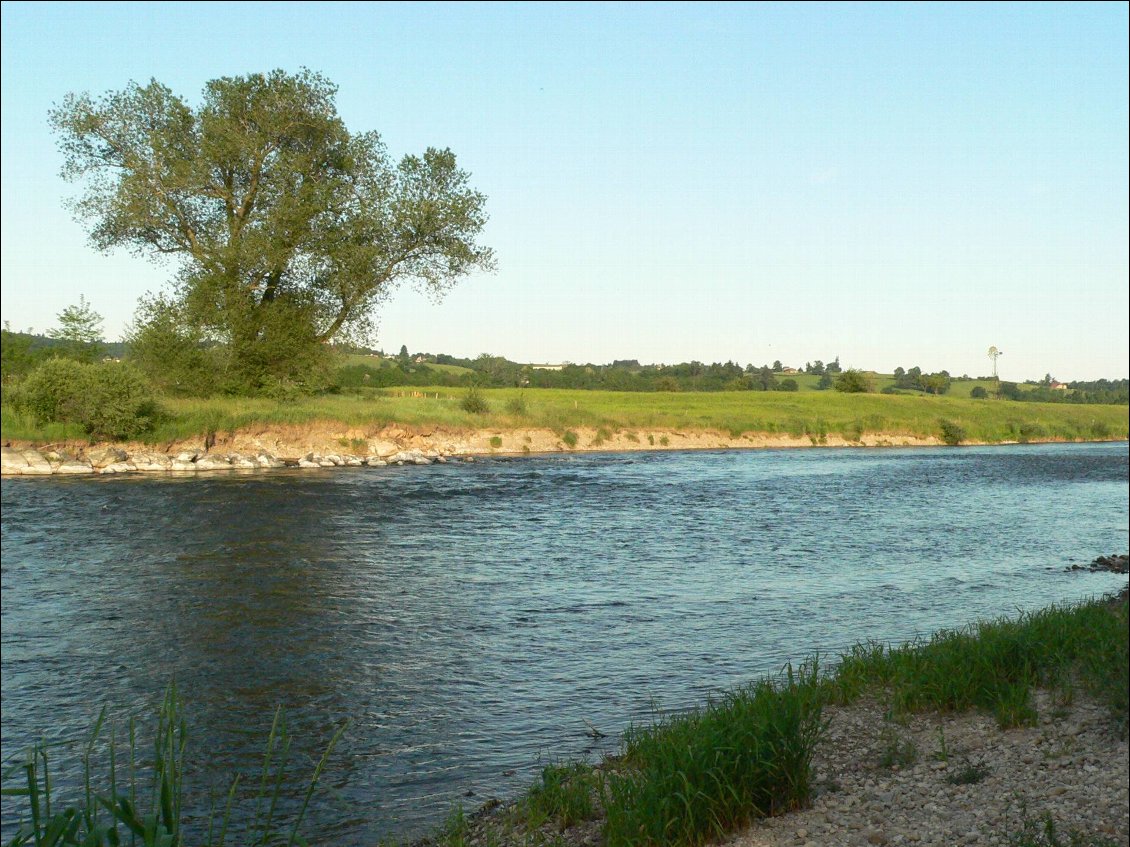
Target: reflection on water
470,619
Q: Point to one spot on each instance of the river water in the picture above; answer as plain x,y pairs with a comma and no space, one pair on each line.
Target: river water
474,621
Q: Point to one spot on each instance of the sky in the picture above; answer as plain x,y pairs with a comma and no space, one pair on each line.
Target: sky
888,184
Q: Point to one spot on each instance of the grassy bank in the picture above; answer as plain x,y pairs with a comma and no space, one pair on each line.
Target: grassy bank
693,778
683,781
814,415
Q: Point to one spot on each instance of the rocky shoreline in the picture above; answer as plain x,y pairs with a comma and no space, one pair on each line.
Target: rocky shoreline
327,445
112,460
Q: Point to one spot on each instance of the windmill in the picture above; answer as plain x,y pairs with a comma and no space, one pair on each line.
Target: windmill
995,354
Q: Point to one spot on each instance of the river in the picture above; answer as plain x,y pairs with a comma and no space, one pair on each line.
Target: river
474,621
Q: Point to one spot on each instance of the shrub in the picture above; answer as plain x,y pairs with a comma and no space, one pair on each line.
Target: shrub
852,381
53,391
570,438
120,404
978,393
495,442
952,434
474,402
788,385
109,400
517,405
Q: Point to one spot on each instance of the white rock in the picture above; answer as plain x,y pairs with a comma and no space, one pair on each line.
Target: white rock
74,466
353,461
12,461
238,461
36,464
307,463
212,463
105,456
118,467
147,461
187,456
375,462
266,460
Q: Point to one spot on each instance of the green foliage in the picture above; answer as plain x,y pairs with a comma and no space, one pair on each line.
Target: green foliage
517,405
1043,832
569,438
994,665
53,391
138,800
290,228
852,381
80,331
176,357
897,751
564,794
788,384
969,772
495,441
474,402
108,399
16,356
692,778
978,392
952,433
809,413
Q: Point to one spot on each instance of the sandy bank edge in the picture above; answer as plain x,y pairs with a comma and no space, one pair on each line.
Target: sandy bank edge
290,443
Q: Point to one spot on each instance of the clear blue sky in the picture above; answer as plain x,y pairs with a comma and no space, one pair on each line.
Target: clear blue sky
892,184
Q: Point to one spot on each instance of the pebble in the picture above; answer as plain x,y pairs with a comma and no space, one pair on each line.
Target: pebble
1072,765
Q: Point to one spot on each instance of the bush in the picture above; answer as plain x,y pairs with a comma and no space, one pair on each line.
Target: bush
53,390
120,404
109,400
788,385
474,402
853,382
952,434
978,393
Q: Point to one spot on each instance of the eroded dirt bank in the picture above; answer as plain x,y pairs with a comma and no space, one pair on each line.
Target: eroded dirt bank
329,444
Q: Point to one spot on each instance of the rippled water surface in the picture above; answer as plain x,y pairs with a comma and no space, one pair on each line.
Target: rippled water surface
475,619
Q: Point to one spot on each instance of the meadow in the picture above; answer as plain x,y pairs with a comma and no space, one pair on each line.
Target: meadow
805,414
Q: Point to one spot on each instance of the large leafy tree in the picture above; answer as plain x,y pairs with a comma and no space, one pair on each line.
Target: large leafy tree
289,229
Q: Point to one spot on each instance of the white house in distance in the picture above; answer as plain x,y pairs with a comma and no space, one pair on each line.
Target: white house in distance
546,367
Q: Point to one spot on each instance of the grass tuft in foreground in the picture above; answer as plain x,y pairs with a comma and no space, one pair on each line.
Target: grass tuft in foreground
692,778
137,798
994,665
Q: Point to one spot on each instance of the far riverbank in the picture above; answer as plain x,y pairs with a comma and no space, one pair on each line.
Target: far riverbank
334,444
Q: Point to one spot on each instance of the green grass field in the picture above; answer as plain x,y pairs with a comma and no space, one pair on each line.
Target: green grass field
800,414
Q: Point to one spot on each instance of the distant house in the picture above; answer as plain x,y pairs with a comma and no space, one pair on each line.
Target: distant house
546,367
1058,386
790,371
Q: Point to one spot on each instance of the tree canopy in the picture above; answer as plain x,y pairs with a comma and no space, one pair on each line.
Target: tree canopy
289,228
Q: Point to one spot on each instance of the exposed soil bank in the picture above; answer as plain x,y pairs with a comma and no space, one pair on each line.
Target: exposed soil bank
340,444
